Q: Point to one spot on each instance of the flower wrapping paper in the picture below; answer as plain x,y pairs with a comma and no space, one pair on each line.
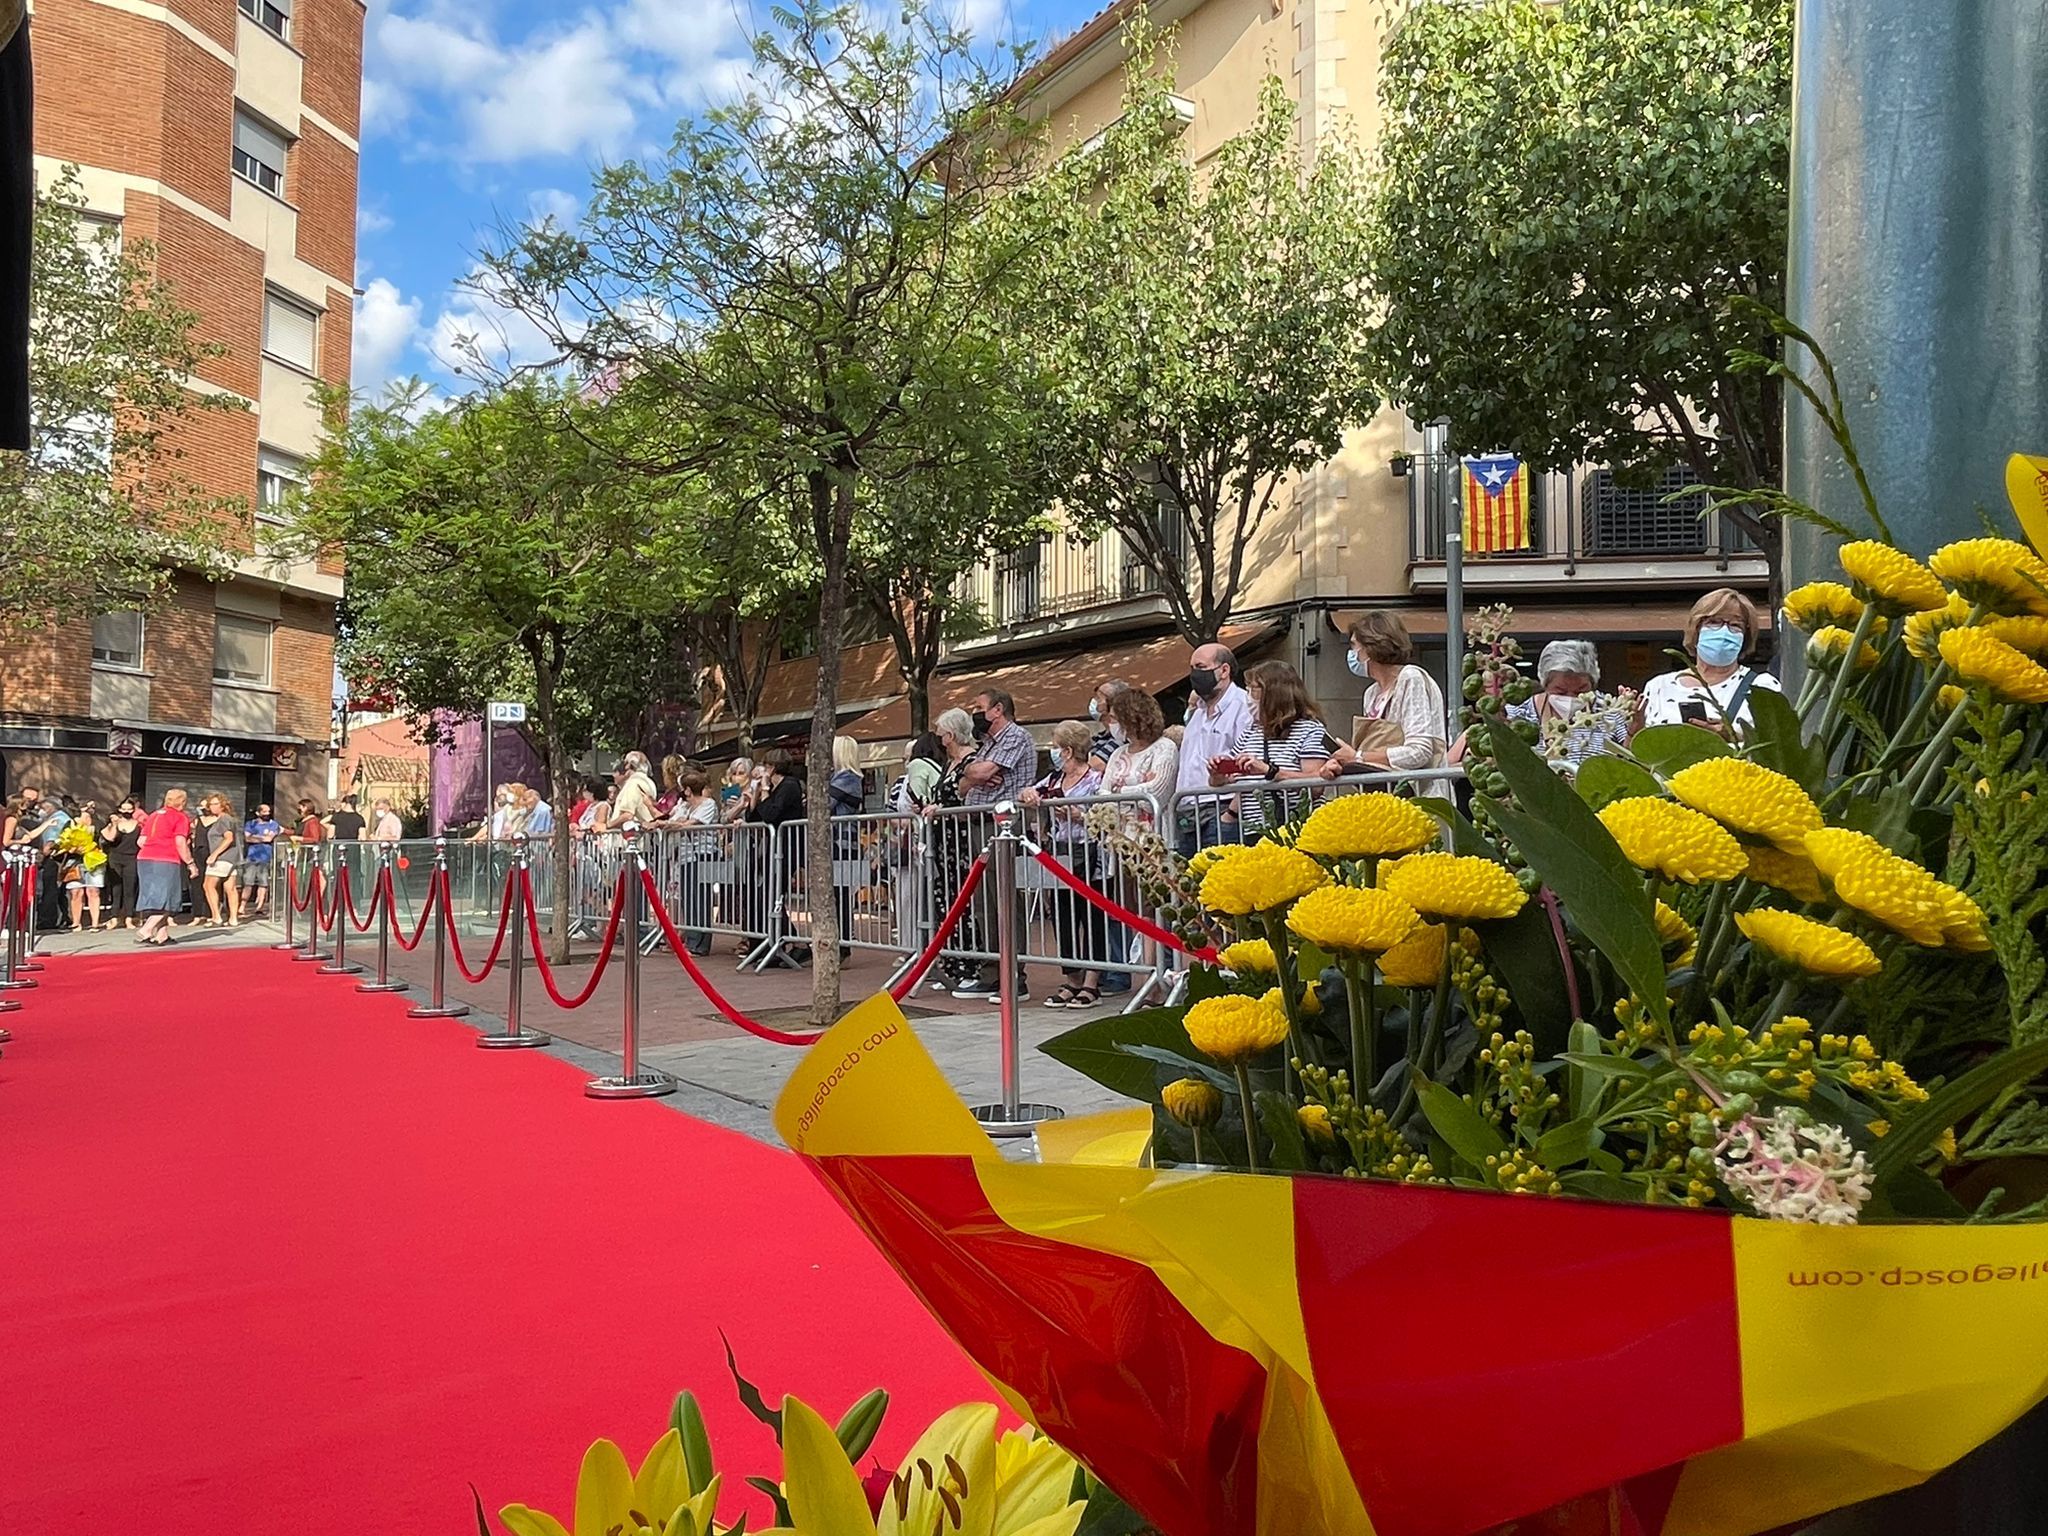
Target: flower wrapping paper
1314,1356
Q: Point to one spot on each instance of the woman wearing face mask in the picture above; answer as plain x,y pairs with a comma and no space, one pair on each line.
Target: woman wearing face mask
1571,717
1065,829
1714,691
1403,709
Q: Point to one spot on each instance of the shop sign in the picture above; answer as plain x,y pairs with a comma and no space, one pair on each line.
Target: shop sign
216,751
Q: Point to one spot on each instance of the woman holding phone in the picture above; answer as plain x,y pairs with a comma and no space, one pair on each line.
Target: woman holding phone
1285,740
1713,693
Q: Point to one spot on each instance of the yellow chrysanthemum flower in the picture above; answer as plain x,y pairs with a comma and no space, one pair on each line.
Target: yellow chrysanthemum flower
1831,644
1749,799
1367,826
1192,1102
1673,931
1263,877
1821,603
2003,575
1316,1128
1417,961
1814,947
1234,1029
1792,873
1924,629
1249,957
1672,841
1879,573
1206,859
1449,885
1344,919
1311,1000
1949,697
1897,892
2027,635
1980,658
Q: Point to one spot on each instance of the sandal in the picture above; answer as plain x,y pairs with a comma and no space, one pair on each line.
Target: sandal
1063,998
1085,997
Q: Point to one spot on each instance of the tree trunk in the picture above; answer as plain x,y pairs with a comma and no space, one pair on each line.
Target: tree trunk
832,496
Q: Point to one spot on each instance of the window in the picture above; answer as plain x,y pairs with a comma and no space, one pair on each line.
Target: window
278,476
241,649
270,15
290,331
259,154
117,640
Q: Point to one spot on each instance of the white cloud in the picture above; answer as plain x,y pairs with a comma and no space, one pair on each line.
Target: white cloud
570,95
371,219
385,324
423,51
544,203
472,324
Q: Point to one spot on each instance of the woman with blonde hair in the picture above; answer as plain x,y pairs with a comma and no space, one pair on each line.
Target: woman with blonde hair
163,855
1713,693
223,862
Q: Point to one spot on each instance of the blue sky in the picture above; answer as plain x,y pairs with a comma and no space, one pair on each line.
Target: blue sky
477,112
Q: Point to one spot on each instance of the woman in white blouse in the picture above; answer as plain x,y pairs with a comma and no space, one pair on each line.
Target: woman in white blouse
1146,760
1403,706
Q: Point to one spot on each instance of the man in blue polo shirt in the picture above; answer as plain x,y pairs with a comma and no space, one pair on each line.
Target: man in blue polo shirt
259,838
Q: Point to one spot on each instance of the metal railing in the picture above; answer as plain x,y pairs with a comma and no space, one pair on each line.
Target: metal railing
1064,572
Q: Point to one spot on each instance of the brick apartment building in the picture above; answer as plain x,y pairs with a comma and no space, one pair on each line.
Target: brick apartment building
224,131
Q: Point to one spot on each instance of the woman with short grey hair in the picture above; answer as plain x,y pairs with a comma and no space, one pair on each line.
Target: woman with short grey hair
1575,721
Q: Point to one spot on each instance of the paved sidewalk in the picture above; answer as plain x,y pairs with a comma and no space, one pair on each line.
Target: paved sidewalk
726,1076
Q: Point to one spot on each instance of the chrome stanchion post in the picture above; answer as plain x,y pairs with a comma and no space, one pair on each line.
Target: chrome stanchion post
315,879
514,1037
1012,1117
341,965
437,1005
291,867
28,879
631,1083
387,894
10,886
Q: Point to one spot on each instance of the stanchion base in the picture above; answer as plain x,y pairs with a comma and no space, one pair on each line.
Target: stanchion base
642,1085
445,1011
526,1039
311,954
997,1120
346,968
30,965
382,986
294,944
19,984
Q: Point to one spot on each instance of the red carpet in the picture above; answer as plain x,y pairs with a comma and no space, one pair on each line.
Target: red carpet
275,1258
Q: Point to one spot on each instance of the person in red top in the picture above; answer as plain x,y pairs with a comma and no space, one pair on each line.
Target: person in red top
163,861
311,828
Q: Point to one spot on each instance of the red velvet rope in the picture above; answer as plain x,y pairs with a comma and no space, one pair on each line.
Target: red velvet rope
419,931
291,886
497,944
1095,898
540,959
717,1000
947,924
326,913
376,895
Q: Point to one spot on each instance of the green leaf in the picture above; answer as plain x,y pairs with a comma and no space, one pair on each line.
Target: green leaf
1108,1515
1593,1184
1602,780
1283,1129
1523,949
1464,838
1910,1194
1185,1066
1776,740
1462,1127
1664,749
1096,1049
750,1395
860,1424
687,1420
783,1519
1604,1065
1575,856
1563,1145
1949,1104
1586,1088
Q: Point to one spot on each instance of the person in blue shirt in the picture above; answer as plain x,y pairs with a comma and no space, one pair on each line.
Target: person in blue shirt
259,837
540,816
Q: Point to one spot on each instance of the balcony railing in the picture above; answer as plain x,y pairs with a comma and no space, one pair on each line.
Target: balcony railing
1061,574
1575,516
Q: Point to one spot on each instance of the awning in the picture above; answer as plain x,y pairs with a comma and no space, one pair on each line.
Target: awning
1058,688
867,680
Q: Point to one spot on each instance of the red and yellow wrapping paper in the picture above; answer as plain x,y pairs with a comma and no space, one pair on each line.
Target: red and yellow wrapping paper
1244,1355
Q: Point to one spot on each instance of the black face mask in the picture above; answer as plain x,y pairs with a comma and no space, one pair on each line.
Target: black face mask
1203,680
980,726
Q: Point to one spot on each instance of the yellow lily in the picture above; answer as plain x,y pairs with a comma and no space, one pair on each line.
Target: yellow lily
612,1501
956,1481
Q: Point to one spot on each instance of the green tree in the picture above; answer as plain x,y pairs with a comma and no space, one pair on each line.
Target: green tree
1571,195
787,293
490,554
1206,327
94,514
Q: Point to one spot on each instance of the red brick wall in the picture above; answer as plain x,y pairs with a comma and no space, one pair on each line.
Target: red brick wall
302,669
215,18
180,654
218,278
199,122
28,671
119,129
324,188
330,34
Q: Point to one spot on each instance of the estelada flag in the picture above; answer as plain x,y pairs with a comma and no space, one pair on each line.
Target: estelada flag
1494,488
1255,1355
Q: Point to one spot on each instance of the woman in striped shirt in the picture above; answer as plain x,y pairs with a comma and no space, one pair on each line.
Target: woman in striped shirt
1285,740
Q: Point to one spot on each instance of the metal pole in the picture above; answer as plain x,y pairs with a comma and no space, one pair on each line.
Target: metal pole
515,1038
30,878
315,877
388,889
10,882
437,1005
1012,1117
490,740
631,1083
341,965
291,866
1437,445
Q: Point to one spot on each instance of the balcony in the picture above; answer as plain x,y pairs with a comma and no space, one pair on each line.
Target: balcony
1063,582
1586,531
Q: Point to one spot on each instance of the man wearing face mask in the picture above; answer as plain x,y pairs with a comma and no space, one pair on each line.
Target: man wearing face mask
1219,712
1713,693
1005,760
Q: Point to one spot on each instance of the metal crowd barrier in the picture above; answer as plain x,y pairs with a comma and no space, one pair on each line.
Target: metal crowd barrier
1242,809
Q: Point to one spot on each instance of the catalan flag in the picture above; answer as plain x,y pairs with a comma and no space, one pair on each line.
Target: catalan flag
1251,1355
1495,491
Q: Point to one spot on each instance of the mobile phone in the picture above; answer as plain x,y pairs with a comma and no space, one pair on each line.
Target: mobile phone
1694,712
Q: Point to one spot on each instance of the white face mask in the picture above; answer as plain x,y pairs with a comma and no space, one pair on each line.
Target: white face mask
1564,705
1095,709
1116,731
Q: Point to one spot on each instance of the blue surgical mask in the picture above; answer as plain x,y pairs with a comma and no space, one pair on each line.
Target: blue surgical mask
1095,709
1720,644
1356,663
